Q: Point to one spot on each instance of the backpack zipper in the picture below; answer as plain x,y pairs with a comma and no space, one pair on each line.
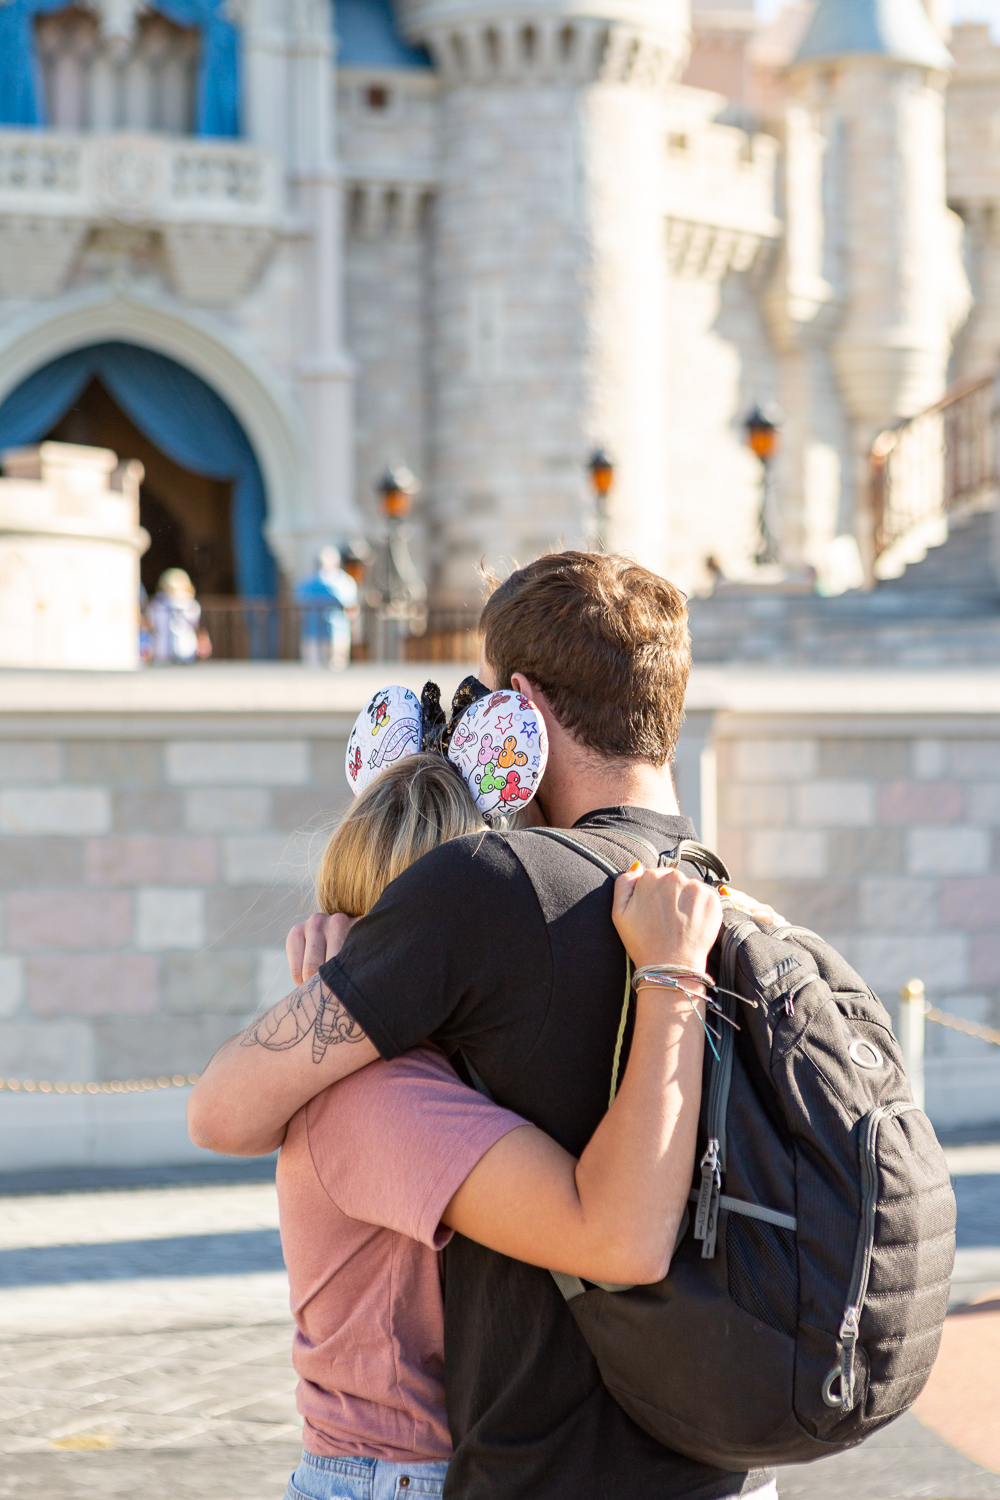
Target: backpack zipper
849,1329
713,1163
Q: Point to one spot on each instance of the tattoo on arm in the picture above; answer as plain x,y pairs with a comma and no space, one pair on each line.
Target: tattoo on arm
311,1010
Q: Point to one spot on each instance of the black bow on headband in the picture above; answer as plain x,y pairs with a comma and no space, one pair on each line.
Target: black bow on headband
437,729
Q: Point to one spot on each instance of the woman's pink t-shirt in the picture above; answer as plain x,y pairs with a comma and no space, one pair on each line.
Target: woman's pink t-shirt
366,1171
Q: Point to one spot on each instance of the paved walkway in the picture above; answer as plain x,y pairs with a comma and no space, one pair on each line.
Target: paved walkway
144,1347
146,1342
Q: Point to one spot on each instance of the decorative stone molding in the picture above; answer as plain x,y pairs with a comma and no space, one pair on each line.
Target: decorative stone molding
36,254
386,209
553,50
214,265
644,42
129,178
719,194
708,252
218,206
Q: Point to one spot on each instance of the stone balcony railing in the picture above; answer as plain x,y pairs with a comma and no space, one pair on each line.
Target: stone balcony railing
718,190
216,206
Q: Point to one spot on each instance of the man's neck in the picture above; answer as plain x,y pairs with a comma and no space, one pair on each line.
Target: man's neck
569,791
578,780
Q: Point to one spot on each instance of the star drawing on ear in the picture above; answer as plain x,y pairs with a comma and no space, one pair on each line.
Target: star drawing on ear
504,722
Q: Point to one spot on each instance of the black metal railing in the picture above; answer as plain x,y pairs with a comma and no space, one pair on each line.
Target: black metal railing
273,630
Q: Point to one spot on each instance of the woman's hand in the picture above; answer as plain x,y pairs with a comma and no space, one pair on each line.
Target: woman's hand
663,917
311,943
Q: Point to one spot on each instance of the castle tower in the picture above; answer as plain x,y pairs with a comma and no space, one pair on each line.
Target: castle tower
871,74
549,273
289,109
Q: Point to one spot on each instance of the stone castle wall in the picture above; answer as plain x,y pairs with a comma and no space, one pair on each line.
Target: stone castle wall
156,842
876,821
158,834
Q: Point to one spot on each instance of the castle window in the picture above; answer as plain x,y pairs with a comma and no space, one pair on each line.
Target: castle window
377,96
678,144
93,82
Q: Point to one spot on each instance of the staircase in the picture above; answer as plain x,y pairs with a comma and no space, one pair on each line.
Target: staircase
940,471
941,611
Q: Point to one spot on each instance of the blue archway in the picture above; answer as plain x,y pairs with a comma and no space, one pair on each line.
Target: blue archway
174,409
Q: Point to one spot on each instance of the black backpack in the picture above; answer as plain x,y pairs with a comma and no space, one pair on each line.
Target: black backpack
807,1289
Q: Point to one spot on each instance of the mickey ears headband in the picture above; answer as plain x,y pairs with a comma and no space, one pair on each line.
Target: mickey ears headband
497,741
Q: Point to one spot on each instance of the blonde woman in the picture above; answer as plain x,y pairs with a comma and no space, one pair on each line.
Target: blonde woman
378,1171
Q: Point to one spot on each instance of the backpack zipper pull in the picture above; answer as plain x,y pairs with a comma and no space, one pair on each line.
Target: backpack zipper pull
848,1342
707,1212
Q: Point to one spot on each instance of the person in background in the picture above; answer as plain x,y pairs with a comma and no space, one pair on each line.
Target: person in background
329,599
174,616
145,633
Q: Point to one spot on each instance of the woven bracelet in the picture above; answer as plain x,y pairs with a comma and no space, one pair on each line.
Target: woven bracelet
659,973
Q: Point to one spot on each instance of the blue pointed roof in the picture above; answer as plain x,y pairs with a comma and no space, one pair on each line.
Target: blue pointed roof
897,29
367,37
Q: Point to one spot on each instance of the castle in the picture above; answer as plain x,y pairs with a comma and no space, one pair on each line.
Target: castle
270,247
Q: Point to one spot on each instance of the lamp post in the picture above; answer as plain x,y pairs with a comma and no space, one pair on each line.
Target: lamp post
761,428
602,478
396,595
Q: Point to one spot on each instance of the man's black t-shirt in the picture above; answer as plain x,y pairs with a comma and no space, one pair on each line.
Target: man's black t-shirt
529,989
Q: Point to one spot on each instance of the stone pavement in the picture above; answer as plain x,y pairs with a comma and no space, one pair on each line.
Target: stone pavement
145,1337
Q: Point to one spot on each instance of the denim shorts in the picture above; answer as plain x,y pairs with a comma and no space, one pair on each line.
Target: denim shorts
364,1479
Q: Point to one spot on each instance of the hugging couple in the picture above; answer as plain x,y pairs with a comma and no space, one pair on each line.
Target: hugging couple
421,1218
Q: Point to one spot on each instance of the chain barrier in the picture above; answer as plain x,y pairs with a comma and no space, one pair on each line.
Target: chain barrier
184,1080
112,1086
957,1023
914,1001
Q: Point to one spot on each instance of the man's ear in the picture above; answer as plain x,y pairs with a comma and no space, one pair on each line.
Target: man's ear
520,684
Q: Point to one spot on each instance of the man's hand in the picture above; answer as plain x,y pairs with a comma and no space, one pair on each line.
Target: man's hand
663,917
311,943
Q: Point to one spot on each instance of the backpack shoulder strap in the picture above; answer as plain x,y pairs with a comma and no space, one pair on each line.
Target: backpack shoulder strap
615,852
612,853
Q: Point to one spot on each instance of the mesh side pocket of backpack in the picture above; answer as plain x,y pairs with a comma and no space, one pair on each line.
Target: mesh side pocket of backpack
763,1271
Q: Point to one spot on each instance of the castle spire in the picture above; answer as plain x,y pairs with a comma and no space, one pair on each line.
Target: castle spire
897,30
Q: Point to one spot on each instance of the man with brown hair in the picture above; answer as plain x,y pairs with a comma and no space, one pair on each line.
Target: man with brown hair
500,947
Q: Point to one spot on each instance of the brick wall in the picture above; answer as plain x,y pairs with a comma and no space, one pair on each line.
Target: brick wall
158,832
886,841
147,886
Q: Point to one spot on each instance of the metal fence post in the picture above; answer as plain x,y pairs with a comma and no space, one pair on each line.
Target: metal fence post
912,1012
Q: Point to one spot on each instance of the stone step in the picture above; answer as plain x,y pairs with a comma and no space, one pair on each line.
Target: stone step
944,609
963,561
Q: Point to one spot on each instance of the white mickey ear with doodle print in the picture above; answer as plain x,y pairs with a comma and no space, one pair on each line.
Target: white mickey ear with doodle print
500,746
389,728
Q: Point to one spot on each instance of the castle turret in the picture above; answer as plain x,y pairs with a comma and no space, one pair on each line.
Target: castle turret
872,75
549,272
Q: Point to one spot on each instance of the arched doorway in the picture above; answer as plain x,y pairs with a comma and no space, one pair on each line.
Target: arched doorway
186,514
127,397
